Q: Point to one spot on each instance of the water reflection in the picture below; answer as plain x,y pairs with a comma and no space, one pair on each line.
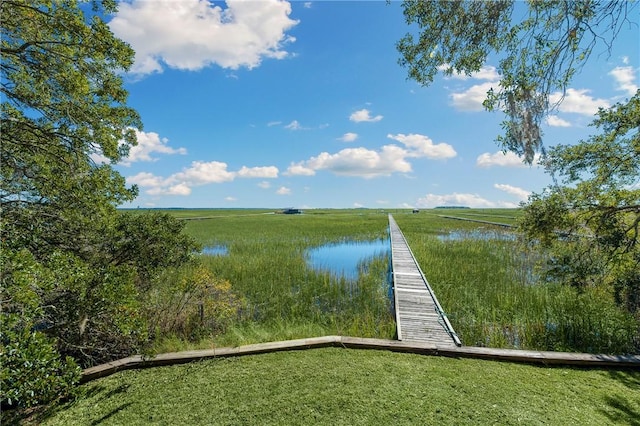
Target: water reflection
215,250
342,259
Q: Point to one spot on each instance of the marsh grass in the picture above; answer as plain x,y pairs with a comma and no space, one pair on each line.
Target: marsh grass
285,298
488,287
493,296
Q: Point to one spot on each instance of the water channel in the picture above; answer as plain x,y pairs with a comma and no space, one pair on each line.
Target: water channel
215,250
342,259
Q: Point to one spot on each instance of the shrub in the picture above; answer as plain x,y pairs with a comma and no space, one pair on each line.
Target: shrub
191,303
32,371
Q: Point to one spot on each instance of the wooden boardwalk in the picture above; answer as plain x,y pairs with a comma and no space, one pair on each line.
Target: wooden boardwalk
419,316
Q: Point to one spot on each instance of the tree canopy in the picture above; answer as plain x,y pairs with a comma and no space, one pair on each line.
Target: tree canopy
73,267
591,223
589,219
62,102
538,53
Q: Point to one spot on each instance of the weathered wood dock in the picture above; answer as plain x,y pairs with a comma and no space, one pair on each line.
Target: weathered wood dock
419,316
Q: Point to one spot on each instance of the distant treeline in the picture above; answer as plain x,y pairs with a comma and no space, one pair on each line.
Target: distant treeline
452,207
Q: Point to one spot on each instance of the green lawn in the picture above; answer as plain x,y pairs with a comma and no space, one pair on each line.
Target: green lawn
339,386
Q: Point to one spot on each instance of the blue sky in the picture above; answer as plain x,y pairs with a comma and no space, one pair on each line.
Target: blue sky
302,104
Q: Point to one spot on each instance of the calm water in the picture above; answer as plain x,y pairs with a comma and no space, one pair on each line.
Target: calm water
343,258
215,250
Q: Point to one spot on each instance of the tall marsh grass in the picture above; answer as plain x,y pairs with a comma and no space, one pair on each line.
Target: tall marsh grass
491,294
266,266
488,287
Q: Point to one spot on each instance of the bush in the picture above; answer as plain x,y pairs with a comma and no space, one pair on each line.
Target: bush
191,303
32,371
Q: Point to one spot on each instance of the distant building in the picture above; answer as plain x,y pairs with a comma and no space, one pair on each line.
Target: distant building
291,211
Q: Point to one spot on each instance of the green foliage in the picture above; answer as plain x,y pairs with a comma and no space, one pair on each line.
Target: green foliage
73,266
62,102
455,36
494,296
32,370
91,302
539,53
148,242
591,223
191,303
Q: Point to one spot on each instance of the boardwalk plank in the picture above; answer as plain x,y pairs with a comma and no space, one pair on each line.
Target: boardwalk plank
417,313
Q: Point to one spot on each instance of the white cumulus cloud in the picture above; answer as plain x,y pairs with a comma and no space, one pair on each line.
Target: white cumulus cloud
202,172
149,143
472,98
502,159
577,101
555,121
179,189
364,115
145,179
422,146
360,162
368,163
197,174
625,78
459,199
258,172
264,184
348,137
299,169
521,194
193,34
283,190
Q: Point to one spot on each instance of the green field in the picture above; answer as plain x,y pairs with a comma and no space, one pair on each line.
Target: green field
286,299
345,387
493,294
489,288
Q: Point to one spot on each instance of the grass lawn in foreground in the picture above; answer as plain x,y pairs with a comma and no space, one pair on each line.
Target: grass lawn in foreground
338,386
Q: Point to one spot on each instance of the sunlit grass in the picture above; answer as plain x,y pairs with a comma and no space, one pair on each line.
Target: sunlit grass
266,265
488,287
492,296
336,386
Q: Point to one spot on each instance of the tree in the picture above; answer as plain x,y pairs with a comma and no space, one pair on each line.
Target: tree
591,222
62,101
538,54
73,267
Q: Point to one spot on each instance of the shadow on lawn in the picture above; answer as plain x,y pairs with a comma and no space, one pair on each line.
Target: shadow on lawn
620,409
111,413
37,415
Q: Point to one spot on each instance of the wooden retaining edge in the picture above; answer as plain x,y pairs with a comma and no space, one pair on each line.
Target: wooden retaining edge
510,355
184,357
